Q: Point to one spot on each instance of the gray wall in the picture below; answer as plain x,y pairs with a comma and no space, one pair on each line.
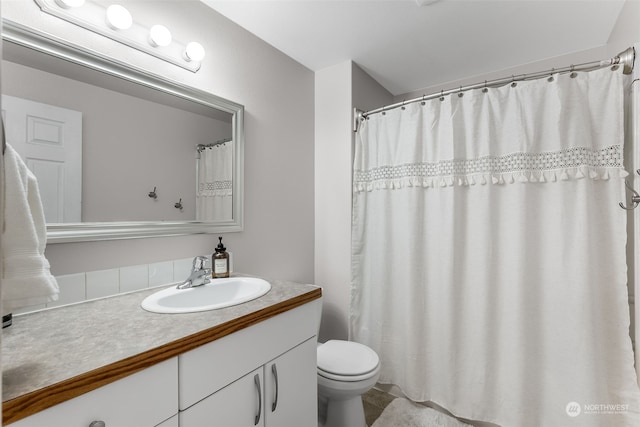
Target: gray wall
338,89
277,93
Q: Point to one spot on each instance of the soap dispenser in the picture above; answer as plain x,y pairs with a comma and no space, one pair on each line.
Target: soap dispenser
220,261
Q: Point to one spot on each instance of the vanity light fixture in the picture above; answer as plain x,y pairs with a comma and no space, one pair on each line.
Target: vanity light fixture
118,17
194,52
117,23
159,36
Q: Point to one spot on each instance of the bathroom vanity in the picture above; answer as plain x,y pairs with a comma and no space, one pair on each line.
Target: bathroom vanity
110,363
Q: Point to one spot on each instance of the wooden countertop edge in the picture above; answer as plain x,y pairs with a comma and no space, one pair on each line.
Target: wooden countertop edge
39,400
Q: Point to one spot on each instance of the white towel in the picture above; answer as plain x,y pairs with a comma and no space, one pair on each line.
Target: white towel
26,279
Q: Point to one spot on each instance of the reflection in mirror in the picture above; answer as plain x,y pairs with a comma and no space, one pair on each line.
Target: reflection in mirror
100,137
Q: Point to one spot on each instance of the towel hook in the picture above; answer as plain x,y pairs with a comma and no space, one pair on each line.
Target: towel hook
635,198
178,205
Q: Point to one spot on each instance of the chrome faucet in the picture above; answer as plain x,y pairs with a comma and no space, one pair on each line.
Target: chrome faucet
199,274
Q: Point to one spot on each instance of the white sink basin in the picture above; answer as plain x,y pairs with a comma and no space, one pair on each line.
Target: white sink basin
219,293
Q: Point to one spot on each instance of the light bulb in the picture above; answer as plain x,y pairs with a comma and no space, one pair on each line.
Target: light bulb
194,52
68,4
118,17
159,35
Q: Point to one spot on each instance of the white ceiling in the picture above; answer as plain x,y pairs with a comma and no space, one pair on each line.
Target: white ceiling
406,47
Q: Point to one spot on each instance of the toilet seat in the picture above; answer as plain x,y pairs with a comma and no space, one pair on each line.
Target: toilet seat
347,361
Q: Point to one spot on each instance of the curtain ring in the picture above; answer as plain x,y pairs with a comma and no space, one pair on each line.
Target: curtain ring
573,74
550,79
423,96
460,94
513,81
442,95
485,89
402,106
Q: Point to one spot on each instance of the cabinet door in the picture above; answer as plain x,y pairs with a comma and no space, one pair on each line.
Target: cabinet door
171,422
291,388
240,404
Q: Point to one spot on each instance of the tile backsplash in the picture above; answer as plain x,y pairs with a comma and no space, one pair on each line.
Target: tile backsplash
98,284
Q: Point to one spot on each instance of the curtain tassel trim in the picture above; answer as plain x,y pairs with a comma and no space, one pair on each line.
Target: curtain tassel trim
495,179
215,189
523,168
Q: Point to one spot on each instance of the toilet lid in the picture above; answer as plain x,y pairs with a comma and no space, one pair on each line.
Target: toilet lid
346,358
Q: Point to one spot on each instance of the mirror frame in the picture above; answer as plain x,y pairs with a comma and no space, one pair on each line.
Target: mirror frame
96,231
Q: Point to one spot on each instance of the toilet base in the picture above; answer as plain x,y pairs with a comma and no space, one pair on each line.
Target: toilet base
343,413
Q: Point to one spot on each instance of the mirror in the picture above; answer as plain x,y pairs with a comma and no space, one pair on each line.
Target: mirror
152,157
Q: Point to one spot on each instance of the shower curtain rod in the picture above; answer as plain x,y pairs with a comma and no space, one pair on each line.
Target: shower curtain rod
201,147
625,58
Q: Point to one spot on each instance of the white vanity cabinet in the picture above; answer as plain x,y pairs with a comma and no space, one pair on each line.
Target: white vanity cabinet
232,381
144,399
263,374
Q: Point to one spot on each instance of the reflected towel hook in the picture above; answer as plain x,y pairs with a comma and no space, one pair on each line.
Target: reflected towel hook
153,193
635,198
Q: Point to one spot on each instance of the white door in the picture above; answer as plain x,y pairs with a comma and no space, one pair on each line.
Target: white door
49,140
240,404
291,387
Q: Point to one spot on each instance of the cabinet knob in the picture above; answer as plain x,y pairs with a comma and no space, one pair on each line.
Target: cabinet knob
97,424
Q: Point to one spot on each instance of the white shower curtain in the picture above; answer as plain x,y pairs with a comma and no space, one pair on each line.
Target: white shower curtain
488,253
214,193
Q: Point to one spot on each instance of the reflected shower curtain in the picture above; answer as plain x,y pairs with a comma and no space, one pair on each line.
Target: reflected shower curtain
488,253
214,192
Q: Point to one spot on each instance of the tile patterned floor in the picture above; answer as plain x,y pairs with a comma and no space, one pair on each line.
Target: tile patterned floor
374,402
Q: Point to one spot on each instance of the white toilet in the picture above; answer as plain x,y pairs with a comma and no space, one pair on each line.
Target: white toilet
346,370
